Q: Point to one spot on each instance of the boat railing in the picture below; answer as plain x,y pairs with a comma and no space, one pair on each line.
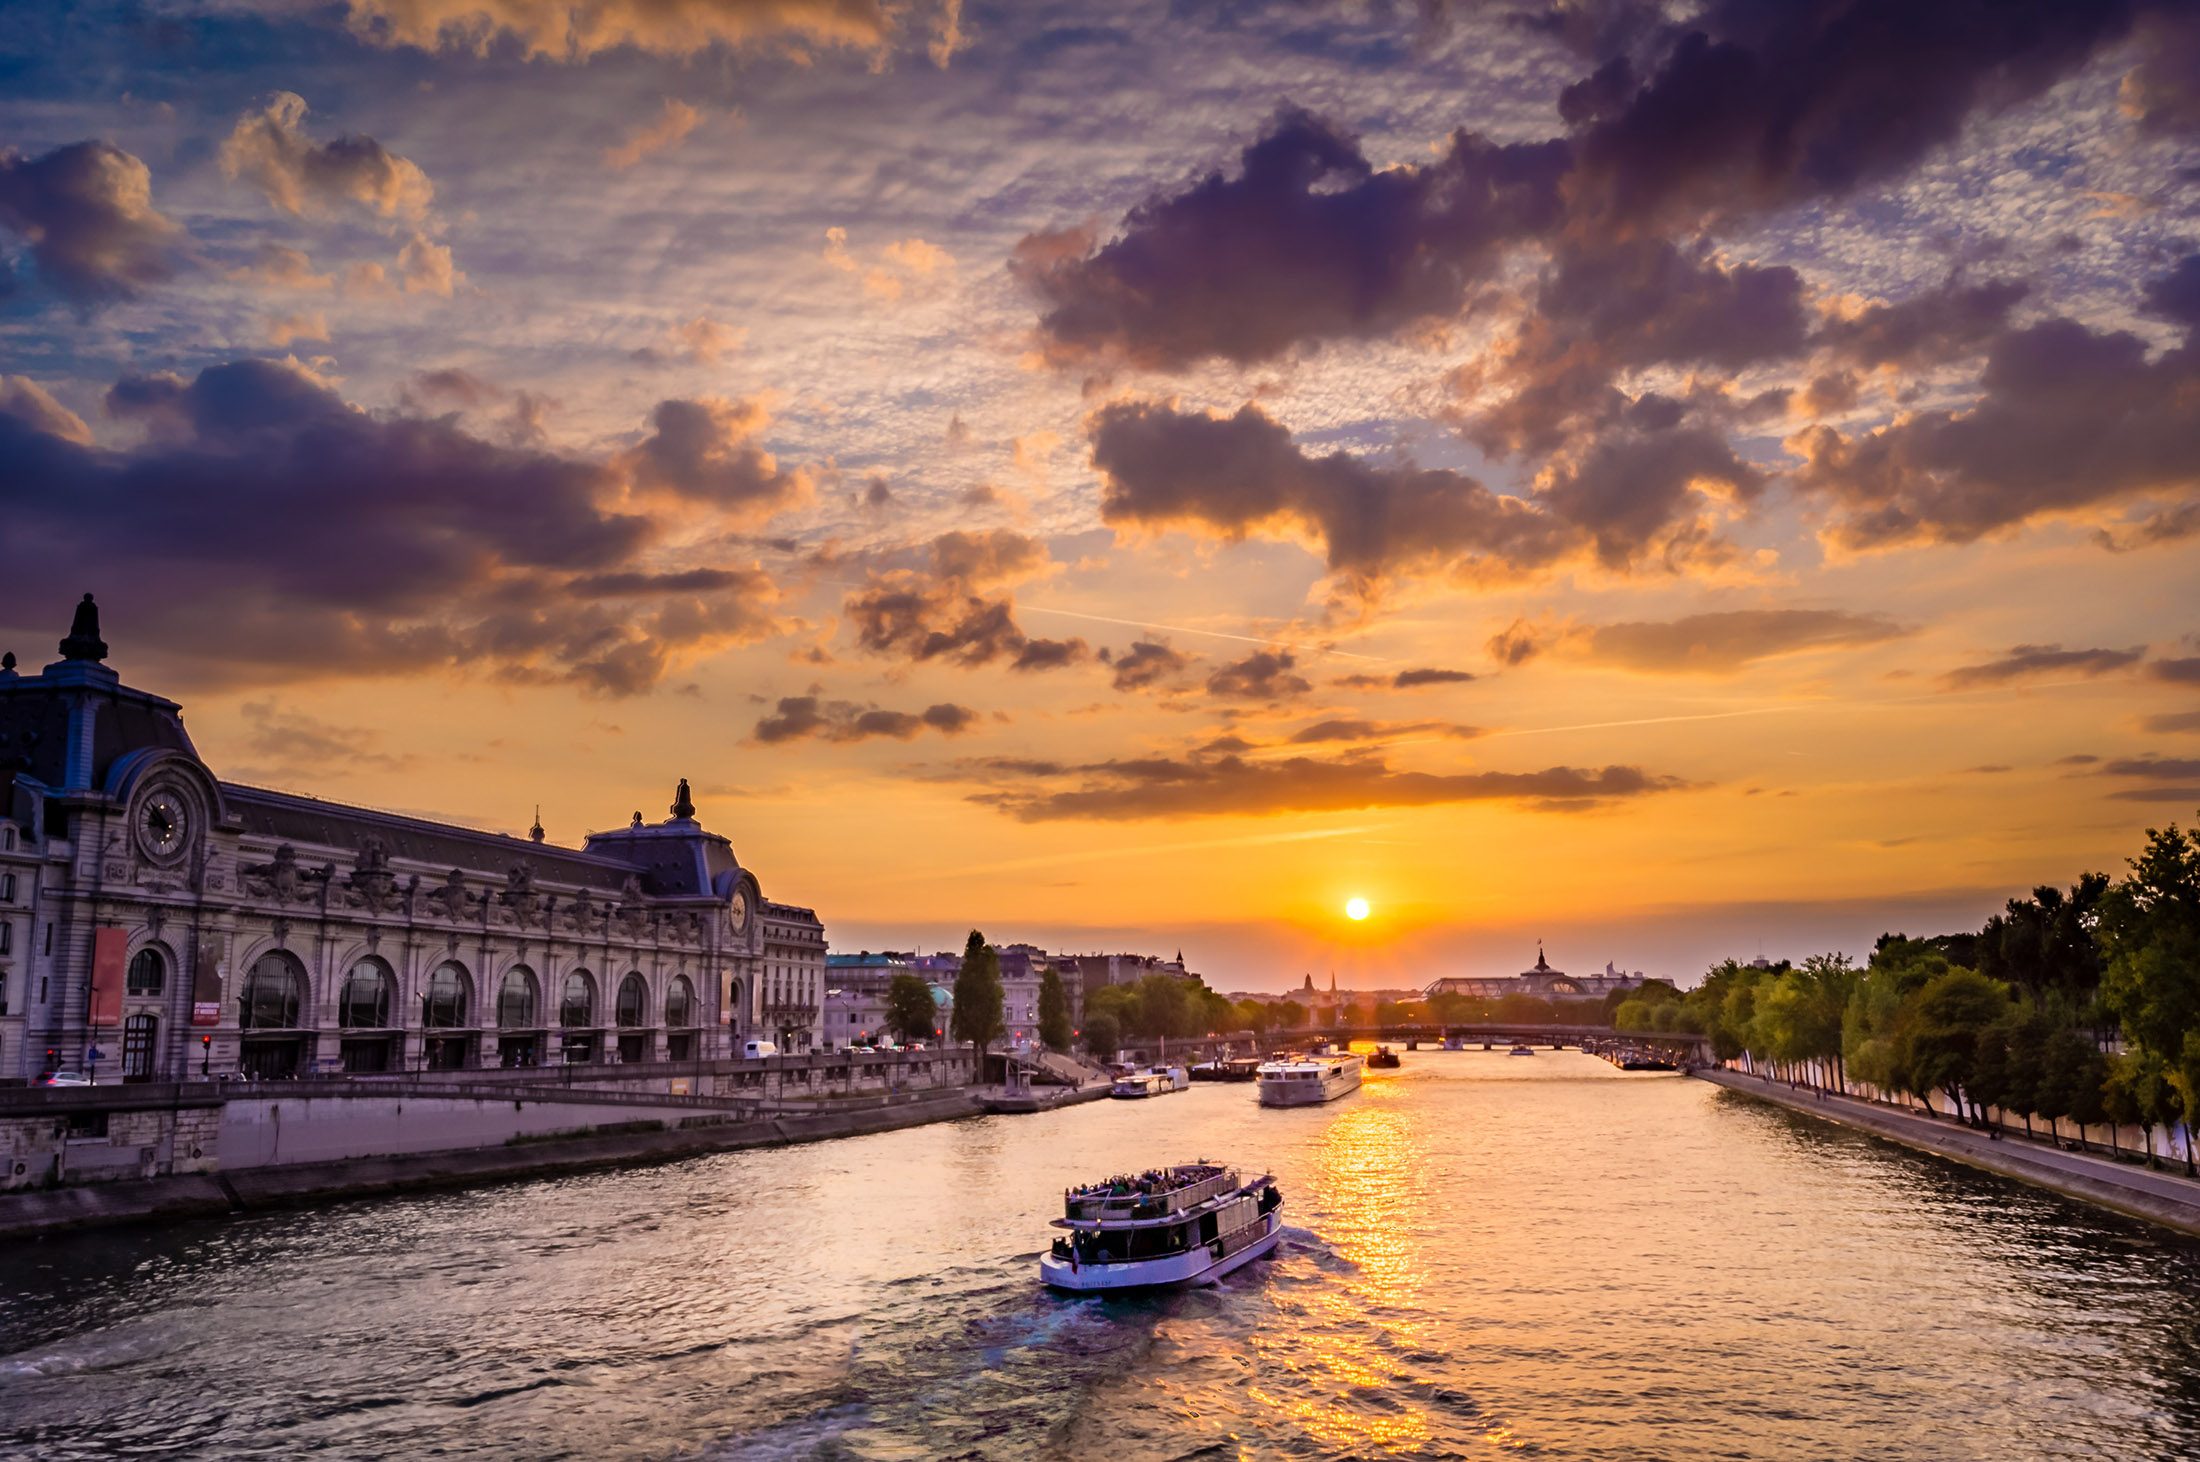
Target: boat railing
1150,1205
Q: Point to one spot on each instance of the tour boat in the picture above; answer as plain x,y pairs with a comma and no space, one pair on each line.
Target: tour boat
1157,1081
1303,1081
1169,1228
1455,1043
1384,1059
1520,1050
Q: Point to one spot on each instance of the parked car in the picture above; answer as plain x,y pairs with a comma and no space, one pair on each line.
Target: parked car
754,1050
62,1078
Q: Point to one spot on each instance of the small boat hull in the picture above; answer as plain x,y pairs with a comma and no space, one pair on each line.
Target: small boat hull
1189,1270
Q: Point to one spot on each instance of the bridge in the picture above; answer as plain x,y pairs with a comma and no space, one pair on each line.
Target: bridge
1686,1044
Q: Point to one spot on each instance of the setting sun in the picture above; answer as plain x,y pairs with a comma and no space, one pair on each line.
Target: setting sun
1355,908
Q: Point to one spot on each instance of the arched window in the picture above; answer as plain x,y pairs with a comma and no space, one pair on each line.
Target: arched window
148,973
274,991
516,999
680,1003
364,1002
446,1001
579,1005
633,1001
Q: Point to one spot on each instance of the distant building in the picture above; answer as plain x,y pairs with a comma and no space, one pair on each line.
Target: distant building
179,925
852,1008
1541,982
790,983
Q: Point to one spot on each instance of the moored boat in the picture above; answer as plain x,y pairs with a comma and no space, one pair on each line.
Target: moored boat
1384,1059
1155,1081
1303,1081
1172,1227
1521,1050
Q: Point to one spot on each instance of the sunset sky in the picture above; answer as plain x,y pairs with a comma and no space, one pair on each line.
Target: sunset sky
1672,481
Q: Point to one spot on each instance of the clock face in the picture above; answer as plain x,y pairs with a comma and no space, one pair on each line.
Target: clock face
738,910
163,824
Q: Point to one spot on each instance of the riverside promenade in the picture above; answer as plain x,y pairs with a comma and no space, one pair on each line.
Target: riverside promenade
2157,1196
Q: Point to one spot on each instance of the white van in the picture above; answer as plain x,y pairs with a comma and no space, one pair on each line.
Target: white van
755,1050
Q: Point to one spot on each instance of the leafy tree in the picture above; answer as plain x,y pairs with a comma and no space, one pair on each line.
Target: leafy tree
2150,927
2088,1088
1103,1034
2184,1079
979,1017
910,1013
1255,1015
1290,1014
1054,1028
2139,1090
2046,943
1990,1086
1632,1015
1939,1038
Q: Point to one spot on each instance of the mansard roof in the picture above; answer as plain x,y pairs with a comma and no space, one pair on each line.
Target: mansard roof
312,822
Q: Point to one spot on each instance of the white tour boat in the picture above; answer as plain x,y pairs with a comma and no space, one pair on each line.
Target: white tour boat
1173,1227
1154,1081
1303,1081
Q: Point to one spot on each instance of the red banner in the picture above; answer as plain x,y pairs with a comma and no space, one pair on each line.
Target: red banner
110,956
206,991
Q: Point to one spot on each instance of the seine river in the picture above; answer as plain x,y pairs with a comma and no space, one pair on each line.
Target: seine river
1484,1254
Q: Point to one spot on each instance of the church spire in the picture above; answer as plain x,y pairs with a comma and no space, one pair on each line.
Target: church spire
535,833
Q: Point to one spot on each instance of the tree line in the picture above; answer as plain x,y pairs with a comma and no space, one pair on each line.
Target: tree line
2078,1005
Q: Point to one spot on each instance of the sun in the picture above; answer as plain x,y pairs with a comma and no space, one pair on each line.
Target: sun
1355,907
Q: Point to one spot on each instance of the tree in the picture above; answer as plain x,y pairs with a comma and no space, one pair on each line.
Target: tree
1290,1015
1103,1034
1255,1016
1939,1039
2184,1079
979,1018
2150,928
910,1013
2088,1083
1990,1067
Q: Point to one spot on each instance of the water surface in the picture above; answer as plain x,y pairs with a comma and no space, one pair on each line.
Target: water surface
1483,1253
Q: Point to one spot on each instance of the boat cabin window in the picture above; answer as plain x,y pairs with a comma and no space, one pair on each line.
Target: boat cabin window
1134,1243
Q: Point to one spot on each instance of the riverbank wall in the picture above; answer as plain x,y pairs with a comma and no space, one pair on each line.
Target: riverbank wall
654,1138
2159,1197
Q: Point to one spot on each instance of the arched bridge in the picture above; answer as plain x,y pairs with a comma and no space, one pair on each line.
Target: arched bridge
1504,1032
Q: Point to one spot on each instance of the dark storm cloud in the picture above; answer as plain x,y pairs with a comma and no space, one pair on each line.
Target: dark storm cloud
1264,675
86,213
1633,492
1145,663
1306,242
268,529
806,717
946,602
1745,106
2026,662
1232,785
2184,671
1623,305
2067,417
1946,323
1750,105
1241,474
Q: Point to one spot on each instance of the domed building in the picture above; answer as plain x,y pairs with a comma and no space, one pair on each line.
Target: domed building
1539,980
160,923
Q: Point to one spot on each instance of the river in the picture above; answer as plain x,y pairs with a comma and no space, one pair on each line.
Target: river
1483,1254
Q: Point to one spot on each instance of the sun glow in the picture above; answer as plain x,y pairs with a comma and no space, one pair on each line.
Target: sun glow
1355,907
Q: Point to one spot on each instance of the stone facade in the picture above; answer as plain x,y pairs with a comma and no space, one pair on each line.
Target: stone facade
1542,982
791,985
178,925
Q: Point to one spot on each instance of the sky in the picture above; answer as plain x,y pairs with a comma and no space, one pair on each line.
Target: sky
1671,481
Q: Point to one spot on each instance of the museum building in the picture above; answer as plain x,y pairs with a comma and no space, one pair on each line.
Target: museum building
158,923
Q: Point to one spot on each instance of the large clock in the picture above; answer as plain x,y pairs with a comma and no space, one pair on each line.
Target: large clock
738,909
163,825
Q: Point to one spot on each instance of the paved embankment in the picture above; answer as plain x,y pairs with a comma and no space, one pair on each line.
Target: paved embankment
51,1210
2160,1197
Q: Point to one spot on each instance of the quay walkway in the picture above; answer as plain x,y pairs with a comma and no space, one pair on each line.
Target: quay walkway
2160,1197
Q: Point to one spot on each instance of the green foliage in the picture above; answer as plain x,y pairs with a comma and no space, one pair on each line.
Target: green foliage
1938,1035
2046,943
1054,1027
979,1018
1290,1014
1103,1034
910,1013
1255,1016
2150,930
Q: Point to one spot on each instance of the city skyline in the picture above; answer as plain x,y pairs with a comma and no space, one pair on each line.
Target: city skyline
1144,482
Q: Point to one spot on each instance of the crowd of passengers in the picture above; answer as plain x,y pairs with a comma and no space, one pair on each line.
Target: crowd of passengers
1151,1183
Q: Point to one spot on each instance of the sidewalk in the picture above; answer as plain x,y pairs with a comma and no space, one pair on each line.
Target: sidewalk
2162,1197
